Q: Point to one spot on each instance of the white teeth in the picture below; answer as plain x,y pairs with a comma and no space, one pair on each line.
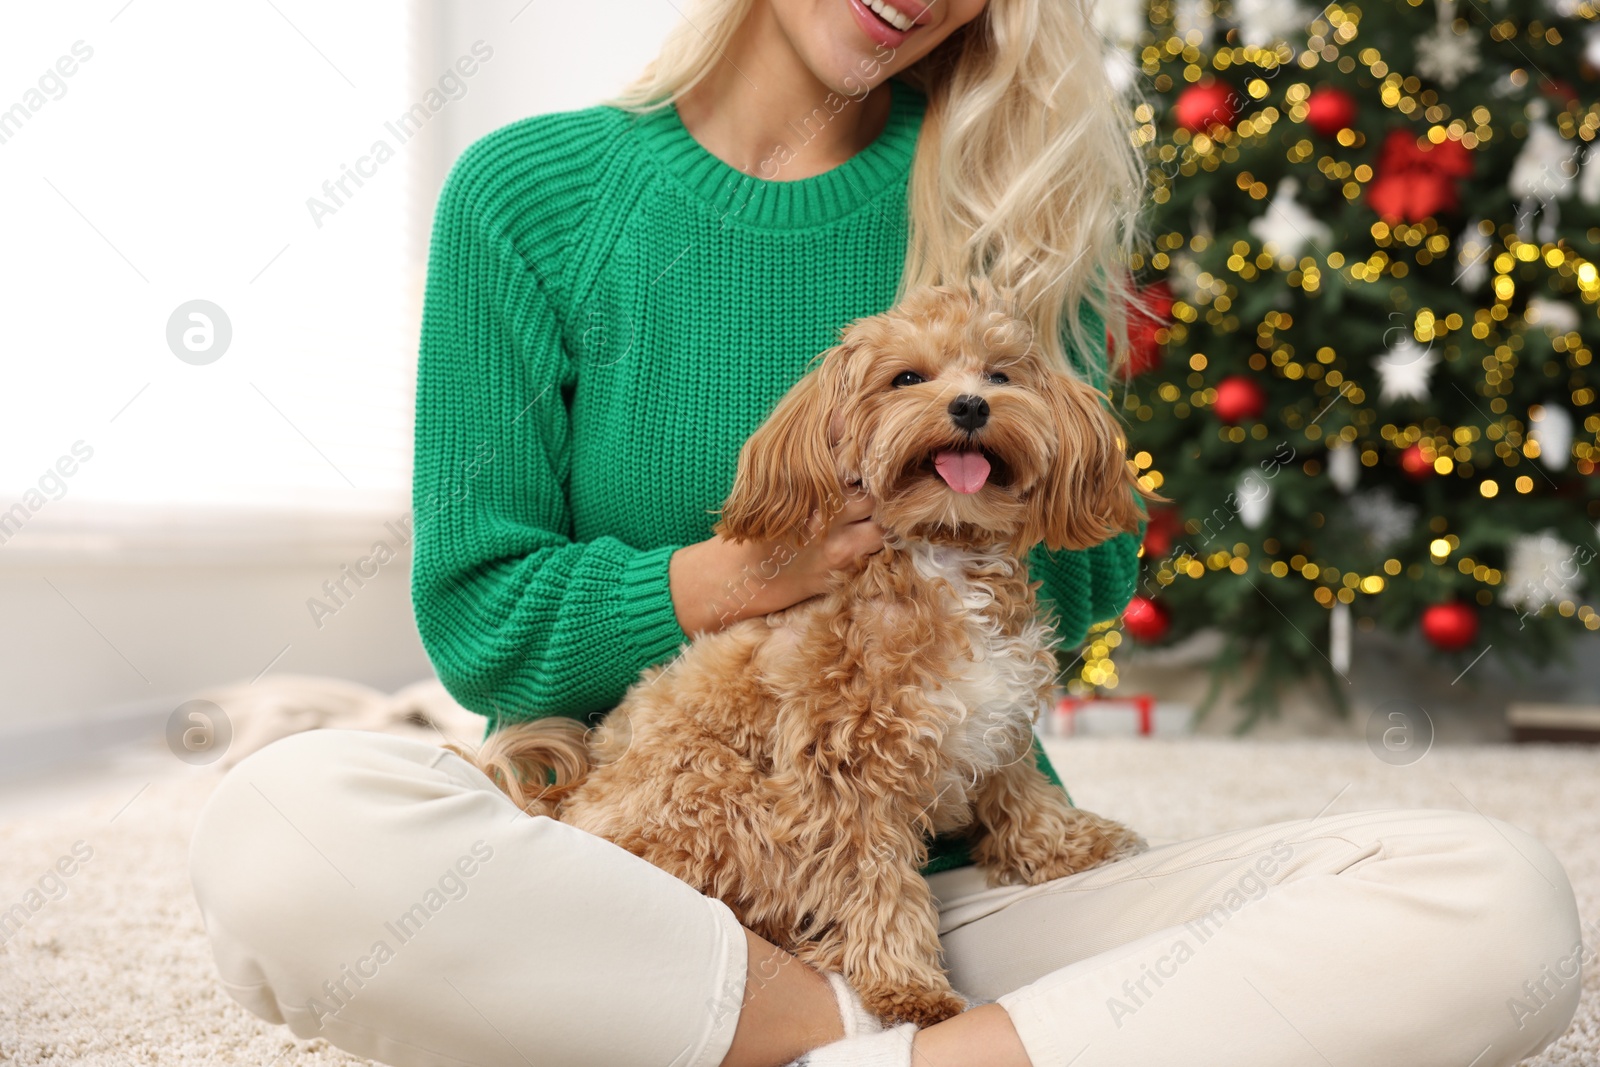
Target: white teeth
890,15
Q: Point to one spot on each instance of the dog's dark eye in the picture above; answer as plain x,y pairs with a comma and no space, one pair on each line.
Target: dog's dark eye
909,377
997,378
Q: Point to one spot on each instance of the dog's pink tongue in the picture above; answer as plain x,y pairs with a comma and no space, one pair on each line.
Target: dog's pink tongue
965,472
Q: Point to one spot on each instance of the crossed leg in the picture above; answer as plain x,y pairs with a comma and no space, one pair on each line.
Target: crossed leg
1420,937
382,894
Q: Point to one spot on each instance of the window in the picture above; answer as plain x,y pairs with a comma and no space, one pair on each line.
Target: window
252,156
279,160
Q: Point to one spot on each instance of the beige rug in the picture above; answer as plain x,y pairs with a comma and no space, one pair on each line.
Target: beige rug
115,970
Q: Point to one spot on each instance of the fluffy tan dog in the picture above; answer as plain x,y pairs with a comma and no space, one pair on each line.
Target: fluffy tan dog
794,765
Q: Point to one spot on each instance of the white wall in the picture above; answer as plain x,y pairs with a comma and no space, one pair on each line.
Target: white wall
112,613
549,56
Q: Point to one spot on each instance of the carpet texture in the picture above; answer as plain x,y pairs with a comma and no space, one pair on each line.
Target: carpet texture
115,969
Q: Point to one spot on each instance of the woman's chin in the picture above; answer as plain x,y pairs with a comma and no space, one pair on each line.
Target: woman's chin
848,66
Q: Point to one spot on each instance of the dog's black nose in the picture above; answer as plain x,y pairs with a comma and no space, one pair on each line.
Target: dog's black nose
969,412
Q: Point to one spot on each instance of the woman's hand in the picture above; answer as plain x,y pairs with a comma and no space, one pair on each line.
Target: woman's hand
718,582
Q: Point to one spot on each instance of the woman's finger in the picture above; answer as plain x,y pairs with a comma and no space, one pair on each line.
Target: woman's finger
857,509
866,537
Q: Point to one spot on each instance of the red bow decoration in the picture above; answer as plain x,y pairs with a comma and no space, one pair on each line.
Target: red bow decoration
1416,180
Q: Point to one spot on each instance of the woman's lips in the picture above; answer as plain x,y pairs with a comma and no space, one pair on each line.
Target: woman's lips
875,27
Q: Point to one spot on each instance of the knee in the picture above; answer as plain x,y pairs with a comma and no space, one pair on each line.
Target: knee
308,756
1521,933
1540,927
249,889
269,779
280,826
1508,874
238,863
299,847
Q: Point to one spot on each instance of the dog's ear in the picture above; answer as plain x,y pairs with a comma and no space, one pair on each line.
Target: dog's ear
1091,491
787,469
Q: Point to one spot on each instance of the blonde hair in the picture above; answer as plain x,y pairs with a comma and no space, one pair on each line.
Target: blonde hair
1025,169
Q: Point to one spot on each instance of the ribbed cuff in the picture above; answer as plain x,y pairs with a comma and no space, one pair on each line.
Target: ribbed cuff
648,618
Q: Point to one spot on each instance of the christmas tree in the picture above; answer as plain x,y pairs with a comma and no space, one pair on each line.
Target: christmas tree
1361,371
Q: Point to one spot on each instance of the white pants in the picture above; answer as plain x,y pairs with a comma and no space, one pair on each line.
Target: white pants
382,894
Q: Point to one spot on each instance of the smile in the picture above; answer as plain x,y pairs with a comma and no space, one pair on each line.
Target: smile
903,23
886,23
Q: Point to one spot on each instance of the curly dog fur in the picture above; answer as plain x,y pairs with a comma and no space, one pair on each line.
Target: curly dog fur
795,765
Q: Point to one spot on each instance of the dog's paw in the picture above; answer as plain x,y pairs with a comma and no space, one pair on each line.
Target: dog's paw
1129,843
923,1007
1080,841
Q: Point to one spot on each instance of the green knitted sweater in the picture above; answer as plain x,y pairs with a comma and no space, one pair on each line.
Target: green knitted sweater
610,311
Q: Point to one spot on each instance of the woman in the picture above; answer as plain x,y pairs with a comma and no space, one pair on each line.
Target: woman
616,298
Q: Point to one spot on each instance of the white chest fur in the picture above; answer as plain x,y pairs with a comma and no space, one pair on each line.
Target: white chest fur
992,695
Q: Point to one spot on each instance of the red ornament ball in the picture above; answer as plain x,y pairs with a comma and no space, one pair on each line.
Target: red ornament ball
1417,464
1204,105
1239,399
1148,318
1160,532
1559,90
1330,110
1451,627
1145,619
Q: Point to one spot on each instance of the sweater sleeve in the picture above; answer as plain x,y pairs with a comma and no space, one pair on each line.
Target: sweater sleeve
518,619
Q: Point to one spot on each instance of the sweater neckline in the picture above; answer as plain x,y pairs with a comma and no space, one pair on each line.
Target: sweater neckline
751,200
